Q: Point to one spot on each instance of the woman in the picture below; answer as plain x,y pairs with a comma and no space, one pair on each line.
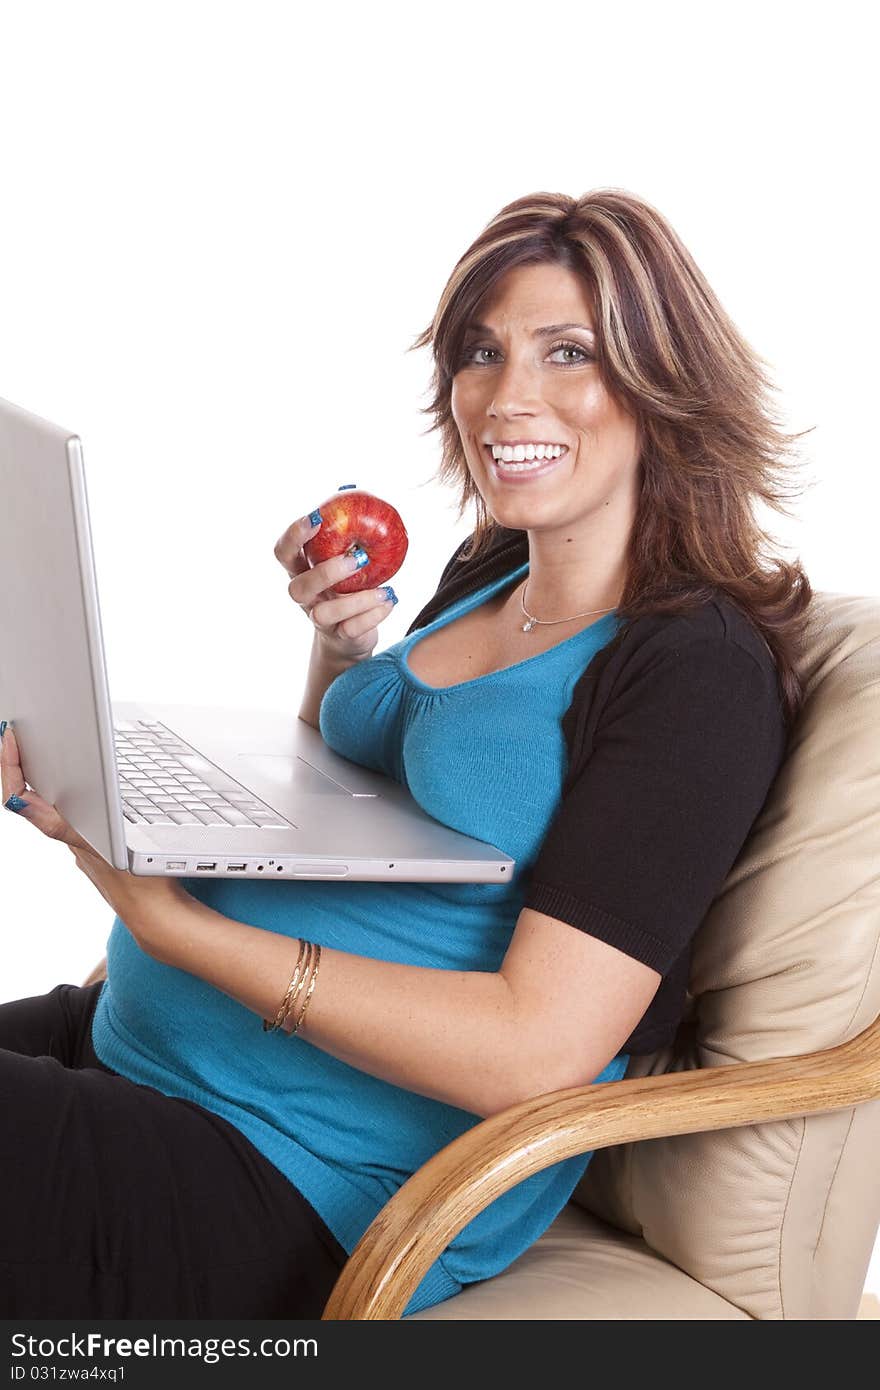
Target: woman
604,679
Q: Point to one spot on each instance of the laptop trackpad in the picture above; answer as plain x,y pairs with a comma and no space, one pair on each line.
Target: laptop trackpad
288,770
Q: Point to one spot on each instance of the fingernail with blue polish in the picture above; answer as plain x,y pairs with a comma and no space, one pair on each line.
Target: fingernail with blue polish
361,556
315,517
2,727
15,803
389,593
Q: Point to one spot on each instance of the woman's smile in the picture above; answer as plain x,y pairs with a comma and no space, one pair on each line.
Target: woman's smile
519,470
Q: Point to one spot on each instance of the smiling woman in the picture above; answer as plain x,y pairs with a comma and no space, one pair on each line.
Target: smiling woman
587,690
549,448
586,322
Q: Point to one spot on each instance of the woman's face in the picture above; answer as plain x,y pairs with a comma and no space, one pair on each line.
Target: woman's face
517,381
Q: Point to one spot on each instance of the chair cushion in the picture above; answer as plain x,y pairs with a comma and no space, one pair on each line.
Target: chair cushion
779,1219
583,1269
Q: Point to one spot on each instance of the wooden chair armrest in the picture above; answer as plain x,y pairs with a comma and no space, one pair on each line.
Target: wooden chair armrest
448,1191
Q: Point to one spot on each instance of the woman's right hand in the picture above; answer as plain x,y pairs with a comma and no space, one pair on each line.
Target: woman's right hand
346,625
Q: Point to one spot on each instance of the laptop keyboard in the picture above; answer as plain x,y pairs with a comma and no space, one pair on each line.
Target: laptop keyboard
163,781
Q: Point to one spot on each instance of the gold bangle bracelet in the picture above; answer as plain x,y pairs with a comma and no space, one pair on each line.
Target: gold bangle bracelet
285,1003
290,1031
303,981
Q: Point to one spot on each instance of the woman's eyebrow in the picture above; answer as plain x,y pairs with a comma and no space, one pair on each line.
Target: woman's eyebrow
546,332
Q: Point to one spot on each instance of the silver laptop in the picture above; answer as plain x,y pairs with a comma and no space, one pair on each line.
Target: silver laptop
176,789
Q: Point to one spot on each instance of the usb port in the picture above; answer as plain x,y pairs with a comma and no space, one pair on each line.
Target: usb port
206,866
236,868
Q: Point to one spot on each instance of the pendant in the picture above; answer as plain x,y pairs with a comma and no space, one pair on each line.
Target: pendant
527,627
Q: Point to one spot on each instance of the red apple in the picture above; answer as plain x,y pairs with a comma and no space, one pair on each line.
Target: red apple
353,517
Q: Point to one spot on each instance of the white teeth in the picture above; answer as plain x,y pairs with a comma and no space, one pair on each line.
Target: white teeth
519,467
518,453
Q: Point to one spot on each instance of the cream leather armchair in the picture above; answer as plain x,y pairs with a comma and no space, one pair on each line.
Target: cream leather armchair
735,1173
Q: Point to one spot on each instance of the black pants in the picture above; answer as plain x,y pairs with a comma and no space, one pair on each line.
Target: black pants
119,1202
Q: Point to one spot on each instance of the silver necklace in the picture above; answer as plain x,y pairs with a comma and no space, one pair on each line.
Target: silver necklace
549,622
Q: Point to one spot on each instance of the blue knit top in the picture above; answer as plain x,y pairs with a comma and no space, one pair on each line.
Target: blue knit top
486,757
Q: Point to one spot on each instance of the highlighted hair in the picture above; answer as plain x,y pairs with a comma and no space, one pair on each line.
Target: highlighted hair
713,446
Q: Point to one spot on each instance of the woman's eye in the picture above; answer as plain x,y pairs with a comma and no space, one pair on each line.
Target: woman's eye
573,347
470,354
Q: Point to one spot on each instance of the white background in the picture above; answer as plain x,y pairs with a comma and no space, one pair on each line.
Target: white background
222,225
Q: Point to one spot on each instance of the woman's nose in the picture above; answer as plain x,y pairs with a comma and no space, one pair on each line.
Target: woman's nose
517,386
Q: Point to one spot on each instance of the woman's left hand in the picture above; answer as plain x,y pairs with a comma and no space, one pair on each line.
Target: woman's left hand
122,890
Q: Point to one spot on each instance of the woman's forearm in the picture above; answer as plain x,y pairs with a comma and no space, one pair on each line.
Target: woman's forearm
448,1034
321,674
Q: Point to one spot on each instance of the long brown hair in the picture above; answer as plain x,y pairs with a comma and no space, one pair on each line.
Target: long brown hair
713,445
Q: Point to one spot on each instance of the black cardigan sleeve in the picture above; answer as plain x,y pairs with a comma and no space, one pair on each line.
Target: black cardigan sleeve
682,757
